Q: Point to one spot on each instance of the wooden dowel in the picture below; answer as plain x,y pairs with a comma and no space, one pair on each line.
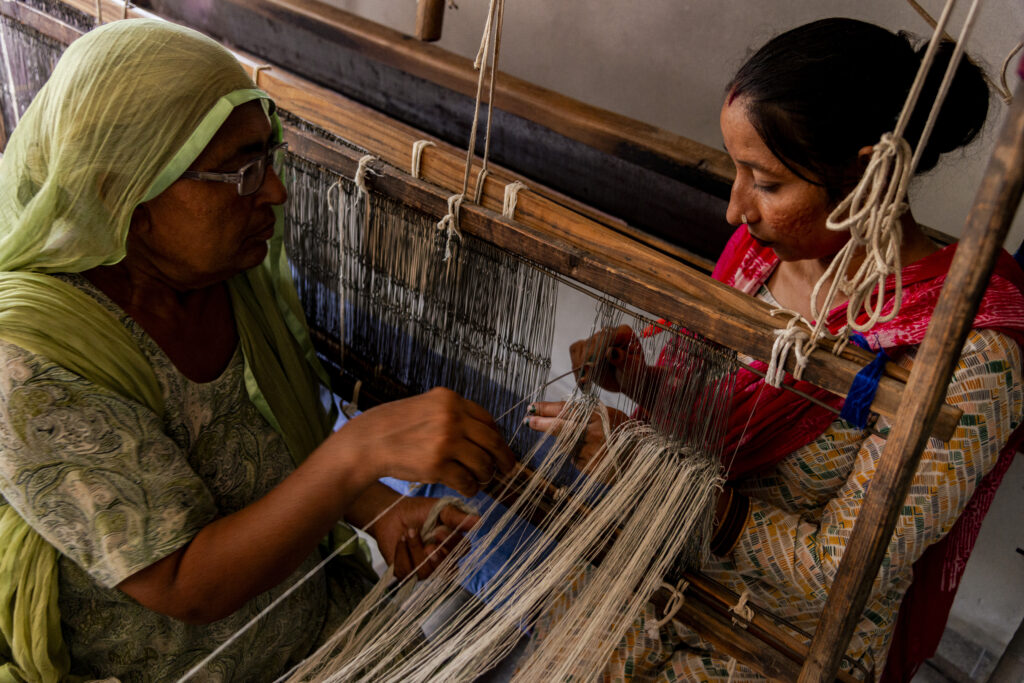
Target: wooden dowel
987,224
429,19
621,268
586,250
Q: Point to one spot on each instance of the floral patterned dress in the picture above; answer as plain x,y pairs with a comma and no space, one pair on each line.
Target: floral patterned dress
115,487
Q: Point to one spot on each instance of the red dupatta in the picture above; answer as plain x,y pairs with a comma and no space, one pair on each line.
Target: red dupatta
767,424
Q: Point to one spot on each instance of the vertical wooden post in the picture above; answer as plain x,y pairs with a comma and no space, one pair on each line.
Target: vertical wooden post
993,210
429,19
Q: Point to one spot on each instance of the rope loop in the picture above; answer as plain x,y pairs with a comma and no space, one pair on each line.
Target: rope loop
256,72
674,604
508,206
450,223
793,338
744,613
417,156
362,170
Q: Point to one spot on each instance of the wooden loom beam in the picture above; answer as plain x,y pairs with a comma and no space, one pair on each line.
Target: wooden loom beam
588,251
594,257
987,224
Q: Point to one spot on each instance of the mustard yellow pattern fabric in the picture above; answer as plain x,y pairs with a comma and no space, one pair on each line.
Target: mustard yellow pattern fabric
802,514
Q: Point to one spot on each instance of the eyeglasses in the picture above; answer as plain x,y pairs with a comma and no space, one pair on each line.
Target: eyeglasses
248,178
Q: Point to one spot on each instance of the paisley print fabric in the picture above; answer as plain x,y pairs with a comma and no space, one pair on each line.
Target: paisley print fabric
115,488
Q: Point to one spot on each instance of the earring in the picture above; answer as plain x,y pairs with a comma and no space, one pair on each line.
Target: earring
743,218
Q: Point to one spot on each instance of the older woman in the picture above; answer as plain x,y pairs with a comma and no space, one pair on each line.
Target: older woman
167,465
799,121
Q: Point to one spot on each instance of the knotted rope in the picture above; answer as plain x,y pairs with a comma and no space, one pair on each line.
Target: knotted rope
508,206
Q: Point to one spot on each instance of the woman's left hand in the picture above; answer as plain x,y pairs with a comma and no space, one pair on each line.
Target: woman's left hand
545,417
398,536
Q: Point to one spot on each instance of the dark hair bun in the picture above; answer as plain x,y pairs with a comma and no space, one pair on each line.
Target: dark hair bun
819,93
963,112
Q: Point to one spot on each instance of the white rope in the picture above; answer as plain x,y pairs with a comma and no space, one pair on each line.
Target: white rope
793,338
512,190
417,156
449,224
872,212
362,170
744,613
256,73
674,604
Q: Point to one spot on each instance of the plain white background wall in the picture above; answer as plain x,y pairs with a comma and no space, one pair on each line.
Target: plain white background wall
666,62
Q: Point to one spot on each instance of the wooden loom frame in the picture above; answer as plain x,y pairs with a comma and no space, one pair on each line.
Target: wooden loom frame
639,273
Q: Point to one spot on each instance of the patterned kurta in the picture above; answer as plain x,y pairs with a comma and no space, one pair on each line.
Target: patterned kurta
802,514
115,487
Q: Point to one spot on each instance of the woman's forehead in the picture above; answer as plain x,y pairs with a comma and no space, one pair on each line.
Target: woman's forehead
246,126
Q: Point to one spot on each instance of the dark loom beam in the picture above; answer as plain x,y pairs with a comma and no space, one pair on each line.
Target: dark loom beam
663,184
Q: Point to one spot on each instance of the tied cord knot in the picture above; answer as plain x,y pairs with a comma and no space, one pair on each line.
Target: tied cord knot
512,190
450,223
674,604
792,338
744,613
362,170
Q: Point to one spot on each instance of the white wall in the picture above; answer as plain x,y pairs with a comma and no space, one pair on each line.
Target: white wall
666,62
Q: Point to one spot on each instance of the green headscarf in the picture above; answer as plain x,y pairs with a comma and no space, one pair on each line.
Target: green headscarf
129,107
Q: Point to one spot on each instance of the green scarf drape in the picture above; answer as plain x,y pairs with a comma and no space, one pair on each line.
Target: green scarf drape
129,106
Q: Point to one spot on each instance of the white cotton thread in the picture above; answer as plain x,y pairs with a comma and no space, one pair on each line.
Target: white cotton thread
674,604
872,212
793,338
417,156
362,170
281,598
256,73
481,176
731,669
449,224
512,190
744,613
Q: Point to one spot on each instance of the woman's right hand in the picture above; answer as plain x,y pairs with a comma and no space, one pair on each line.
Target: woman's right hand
613,359
436,437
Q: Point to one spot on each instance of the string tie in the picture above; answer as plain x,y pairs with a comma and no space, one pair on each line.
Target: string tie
791,338
479,189
450,223
744,613
417,156
256,73
351,409
856,407
674,604
508,206
364,168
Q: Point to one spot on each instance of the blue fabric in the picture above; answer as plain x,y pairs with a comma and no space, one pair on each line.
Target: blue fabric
856,408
